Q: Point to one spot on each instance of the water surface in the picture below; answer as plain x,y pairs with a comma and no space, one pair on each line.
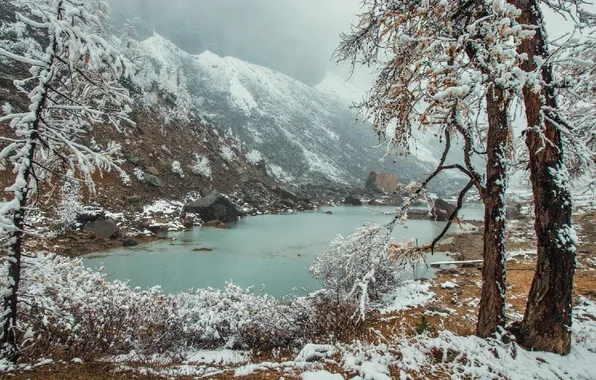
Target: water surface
271,252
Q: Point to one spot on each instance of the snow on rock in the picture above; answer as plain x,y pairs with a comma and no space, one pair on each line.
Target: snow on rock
410,294
164,207
218,357
312,352
449,285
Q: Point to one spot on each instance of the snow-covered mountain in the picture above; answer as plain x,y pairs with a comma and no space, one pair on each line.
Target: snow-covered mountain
305,134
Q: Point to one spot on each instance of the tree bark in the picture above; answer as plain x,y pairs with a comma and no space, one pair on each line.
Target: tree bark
547,320
491,313
9,338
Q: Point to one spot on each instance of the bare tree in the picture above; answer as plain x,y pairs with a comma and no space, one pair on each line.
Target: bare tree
442,67
73,85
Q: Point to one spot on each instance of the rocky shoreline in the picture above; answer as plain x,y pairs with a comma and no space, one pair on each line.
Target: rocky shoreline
97,229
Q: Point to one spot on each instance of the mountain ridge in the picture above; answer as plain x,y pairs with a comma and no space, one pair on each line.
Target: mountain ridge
305,134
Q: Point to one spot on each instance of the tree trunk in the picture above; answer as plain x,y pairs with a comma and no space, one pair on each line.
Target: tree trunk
491,314
547,320
9,334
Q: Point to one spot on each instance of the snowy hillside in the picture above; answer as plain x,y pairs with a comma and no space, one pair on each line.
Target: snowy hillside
304,134
339,89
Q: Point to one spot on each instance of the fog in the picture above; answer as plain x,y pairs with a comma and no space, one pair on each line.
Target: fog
296,37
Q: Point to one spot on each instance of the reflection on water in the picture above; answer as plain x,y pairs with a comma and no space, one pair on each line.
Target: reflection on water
270,251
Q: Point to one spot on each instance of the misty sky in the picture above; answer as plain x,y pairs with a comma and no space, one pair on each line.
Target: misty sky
296,37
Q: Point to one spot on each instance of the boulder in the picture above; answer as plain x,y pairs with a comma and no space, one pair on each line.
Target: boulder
187,222
134,199
285,193
89,214
216,224
202,250
396,199
160,230
352,200
152,180
214,207
141,225
382,182
371,182
288,203
103,228
130,242
387,182
513,210
442,210
153,170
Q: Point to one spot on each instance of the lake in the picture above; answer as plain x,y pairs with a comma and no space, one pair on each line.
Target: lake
271,252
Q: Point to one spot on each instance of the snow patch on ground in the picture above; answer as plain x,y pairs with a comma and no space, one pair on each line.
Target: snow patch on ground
321,375
409,295
449,285
312,352
164,207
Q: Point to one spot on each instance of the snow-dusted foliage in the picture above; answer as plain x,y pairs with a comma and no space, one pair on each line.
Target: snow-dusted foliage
441,67
72,311
177,169
7,109
359,266
254,157
202,166
158,81
73,84
227,153
574,62
139,174
69,204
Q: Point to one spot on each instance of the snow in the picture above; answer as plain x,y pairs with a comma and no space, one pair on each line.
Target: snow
449,285
321,375
66,284
340,89
163,206
272,113
218,357
202,166
312,352
407,295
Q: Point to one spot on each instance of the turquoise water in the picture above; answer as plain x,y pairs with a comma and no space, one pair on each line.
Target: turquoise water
271,252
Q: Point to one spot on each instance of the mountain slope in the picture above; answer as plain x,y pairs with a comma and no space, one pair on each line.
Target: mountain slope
305,135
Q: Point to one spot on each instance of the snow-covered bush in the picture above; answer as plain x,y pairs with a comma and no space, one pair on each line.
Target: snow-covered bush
177,169
69,205
72,311
202,166
227,153
357,267
140,174
254,157
7,109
